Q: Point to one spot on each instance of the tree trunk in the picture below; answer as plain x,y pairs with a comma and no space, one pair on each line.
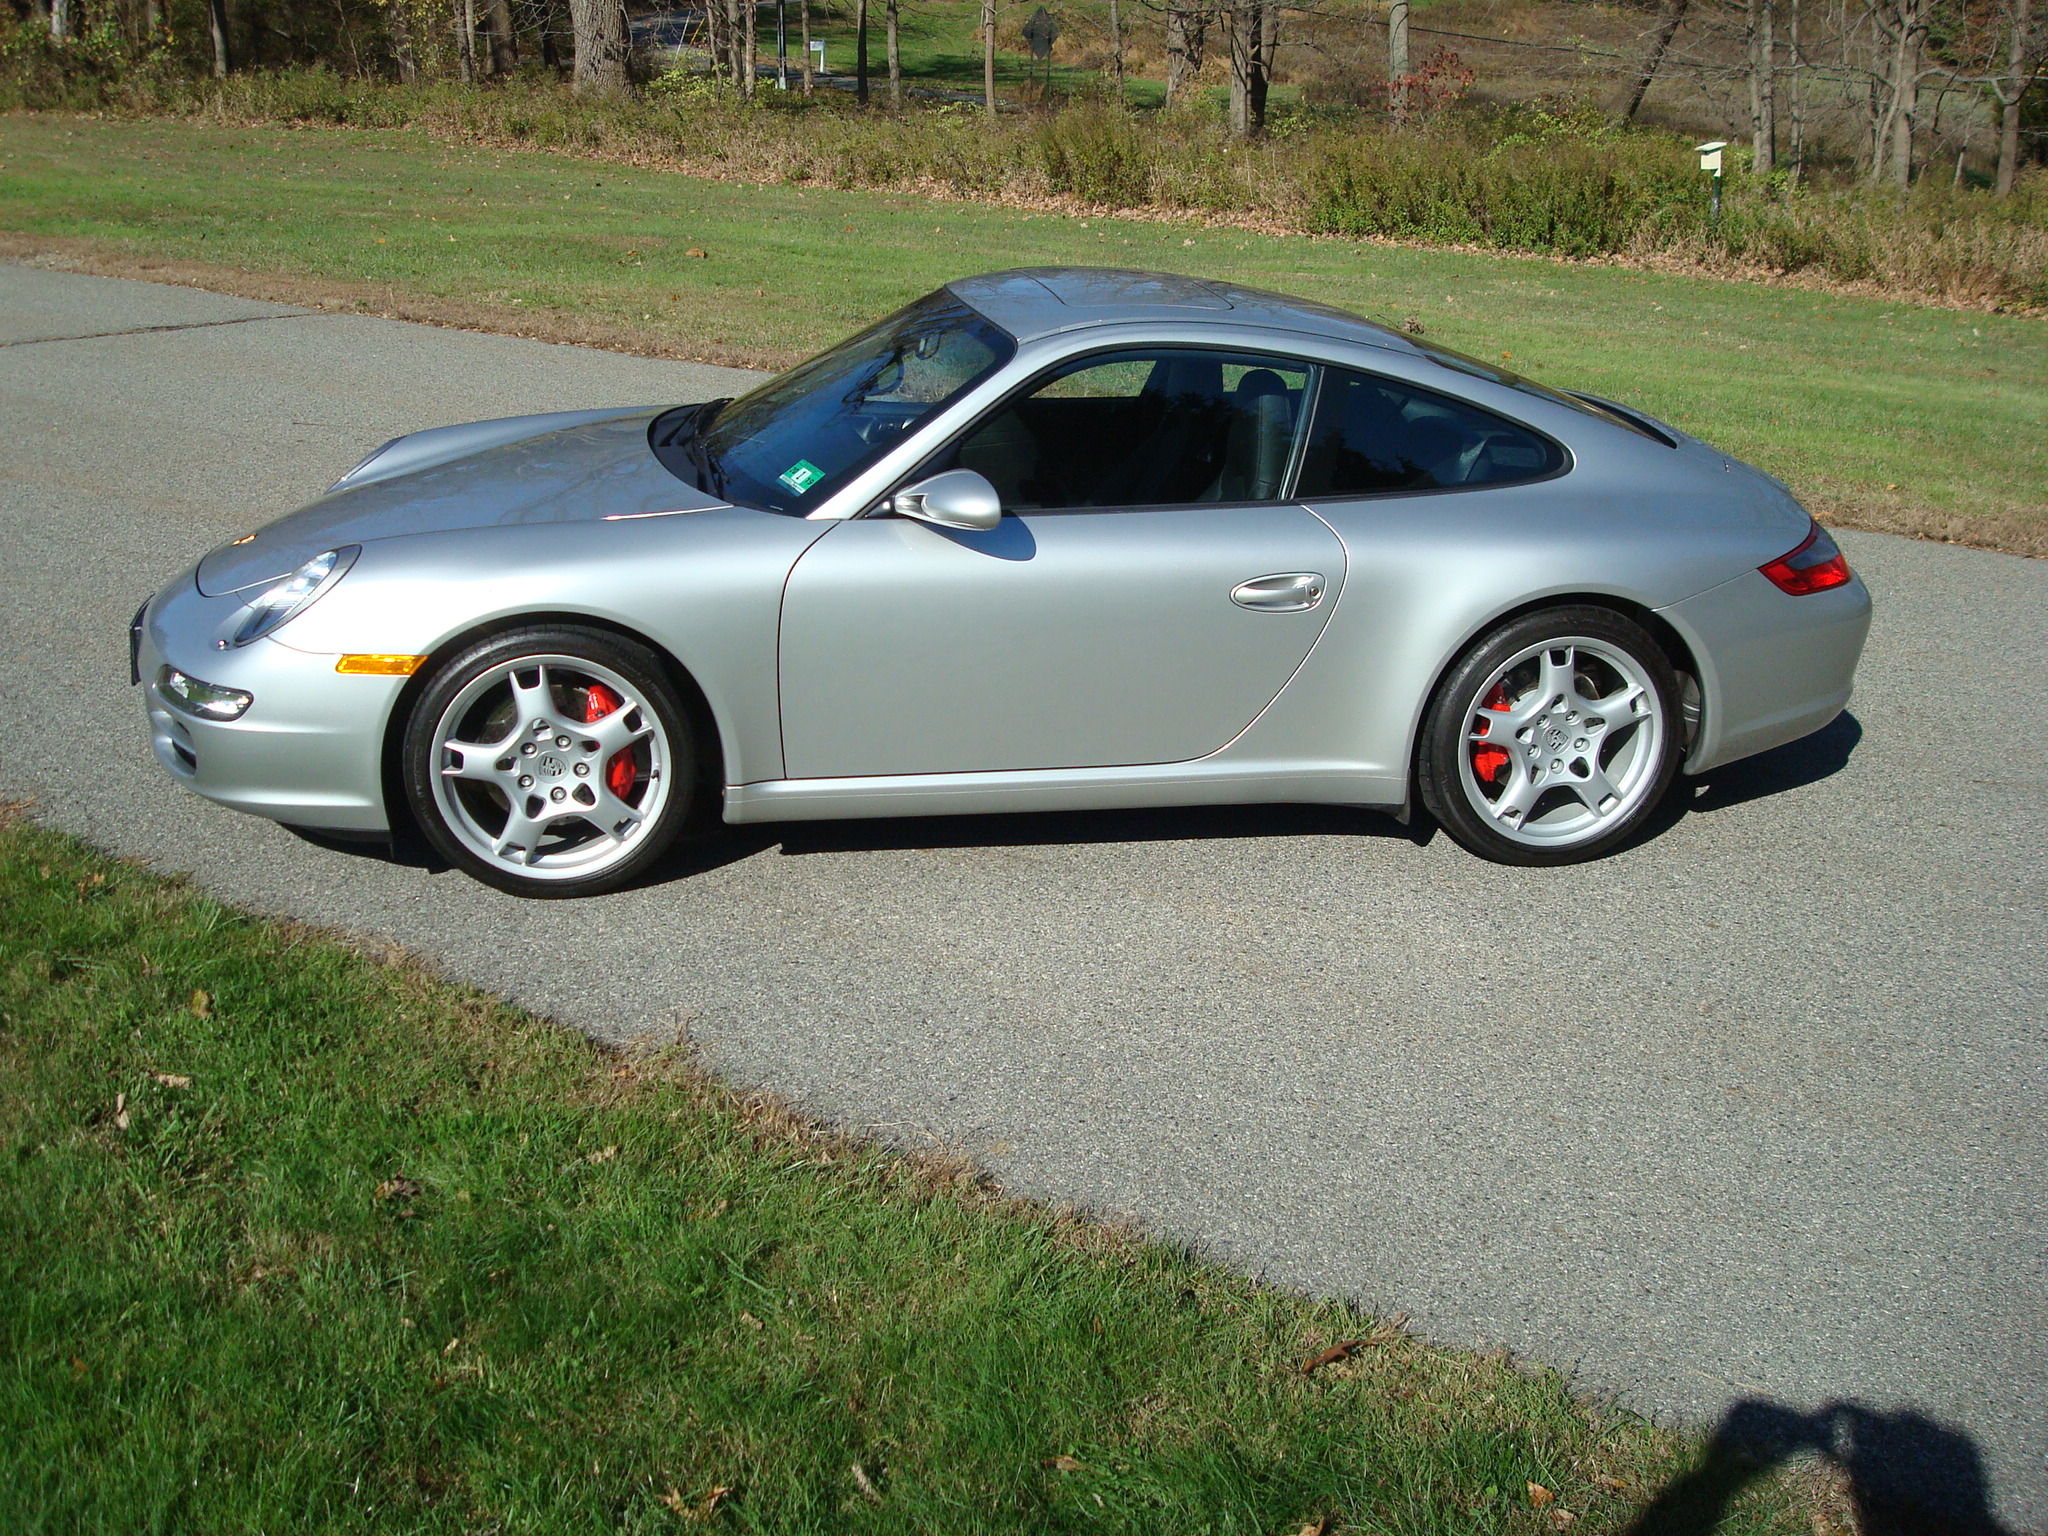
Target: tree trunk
1247,69
1397,60
1674,13
860,52
988,56
600,31
1116,47
1795,91
1763,96
750,21
1186,29
895,46
2010,94
804,19
60,19
217,28
402,59
1906,90
504,41
465,40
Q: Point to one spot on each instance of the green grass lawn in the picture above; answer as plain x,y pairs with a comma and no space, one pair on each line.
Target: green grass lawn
1885,414
297,1238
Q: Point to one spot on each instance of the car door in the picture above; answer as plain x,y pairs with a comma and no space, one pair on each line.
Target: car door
1147,595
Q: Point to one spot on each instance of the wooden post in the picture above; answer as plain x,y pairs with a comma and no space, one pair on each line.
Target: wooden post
1397,60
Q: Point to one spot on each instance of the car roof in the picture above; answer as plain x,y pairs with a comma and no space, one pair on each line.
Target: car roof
1030,302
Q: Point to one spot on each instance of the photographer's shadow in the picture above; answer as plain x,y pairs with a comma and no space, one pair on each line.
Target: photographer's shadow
1908,1475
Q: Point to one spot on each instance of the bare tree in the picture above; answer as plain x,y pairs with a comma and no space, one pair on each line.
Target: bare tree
988,56
1116,48
895,55
504,41
1667,28
1902,28
1247,21
804,10
60,19
465,40
749,47
2022,65
1397,60
860,51
1763,85
1187,25
600,32
217,28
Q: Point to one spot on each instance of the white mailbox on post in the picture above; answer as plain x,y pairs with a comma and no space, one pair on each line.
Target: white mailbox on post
1710,155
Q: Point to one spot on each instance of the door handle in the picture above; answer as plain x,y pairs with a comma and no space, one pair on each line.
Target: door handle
1288,592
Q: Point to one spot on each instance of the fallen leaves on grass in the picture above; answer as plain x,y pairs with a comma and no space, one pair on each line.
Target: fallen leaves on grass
1064,1464
701,1509
201,1006
1349,1347
399,1188
860,1477
1317,1527
171,1079
1540,1496
120,1111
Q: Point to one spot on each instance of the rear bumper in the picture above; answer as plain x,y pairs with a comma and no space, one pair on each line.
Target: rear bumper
309,750
1773,668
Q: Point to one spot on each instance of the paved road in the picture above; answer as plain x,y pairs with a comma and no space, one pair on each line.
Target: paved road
1755,1111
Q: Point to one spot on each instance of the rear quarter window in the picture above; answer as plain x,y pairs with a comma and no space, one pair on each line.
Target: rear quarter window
1375,436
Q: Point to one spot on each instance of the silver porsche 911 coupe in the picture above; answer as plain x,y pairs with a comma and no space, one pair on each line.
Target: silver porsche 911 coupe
1046,539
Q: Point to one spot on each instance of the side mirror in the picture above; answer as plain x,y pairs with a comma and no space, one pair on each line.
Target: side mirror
959,498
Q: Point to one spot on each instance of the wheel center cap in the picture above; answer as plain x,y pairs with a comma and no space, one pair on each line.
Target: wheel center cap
1554,737
551,765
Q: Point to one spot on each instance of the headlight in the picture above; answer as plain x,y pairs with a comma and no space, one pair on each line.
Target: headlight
209,701
293,595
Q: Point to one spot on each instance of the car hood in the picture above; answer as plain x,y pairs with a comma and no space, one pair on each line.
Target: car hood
573,467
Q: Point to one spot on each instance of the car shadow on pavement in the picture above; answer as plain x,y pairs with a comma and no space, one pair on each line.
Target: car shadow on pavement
1039,829
1796,764
1905,1474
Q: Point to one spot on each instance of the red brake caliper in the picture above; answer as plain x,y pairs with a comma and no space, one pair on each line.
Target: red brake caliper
619,774
1488,761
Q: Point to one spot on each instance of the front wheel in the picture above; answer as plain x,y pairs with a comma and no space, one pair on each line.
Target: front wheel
553,761
1552,739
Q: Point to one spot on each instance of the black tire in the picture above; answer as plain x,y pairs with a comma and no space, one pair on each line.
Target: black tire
589,819
1516,767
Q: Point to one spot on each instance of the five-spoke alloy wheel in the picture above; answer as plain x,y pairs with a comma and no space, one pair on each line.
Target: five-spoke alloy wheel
550,762
1552,739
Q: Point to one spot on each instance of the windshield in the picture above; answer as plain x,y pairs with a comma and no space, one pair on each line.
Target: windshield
791,443
1446,358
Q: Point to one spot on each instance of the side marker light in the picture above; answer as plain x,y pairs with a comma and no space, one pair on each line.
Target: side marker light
379,666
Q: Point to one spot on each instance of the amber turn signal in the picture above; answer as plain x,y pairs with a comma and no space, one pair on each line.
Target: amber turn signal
380,666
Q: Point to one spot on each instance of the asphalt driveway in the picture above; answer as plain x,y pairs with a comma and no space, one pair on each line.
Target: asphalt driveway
1752,1113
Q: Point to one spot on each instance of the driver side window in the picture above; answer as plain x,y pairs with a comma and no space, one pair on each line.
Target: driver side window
1143,428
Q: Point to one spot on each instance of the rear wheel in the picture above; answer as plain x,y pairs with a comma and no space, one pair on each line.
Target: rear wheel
1552,739
551,761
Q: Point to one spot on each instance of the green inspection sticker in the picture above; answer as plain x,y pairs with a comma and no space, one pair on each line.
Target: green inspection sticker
801,476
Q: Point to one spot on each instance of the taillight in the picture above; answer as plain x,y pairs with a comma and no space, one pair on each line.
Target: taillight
1814,566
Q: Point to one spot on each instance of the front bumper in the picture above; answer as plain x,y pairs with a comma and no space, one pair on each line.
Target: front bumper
309,751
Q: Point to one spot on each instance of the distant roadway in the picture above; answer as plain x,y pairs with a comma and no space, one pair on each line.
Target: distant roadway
1755,1111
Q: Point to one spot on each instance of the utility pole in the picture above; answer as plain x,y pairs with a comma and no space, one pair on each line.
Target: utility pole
781,45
